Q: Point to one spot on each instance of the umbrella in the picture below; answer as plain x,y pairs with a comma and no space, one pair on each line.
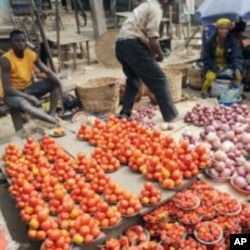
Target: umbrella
211,10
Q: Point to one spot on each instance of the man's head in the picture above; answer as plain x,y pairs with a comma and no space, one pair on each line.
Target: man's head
18,40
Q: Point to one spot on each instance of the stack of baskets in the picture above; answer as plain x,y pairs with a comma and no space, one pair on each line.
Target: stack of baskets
195,78
99,95
174,77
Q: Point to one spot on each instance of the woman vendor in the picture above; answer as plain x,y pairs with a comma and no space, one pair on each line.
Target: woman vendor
220,52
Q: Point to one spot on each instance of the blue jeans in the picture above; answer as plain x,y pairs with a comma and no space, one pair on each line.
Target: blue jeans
138,64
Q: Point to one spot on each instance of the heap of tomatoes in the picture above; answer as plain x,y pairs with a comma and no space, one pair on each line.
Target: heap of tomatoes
157,156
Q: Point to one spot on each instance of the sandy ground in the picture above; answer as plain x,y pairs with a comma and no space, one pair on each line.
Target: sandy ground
16,228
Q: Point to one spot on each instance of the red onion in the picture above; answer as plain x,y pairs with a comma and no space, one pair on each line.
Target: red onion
226,172
219,155
240,181
245,138
219,165
227,146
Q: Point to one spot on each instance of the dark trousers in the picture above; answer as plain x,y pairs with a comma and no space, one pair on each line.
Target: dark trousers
138,64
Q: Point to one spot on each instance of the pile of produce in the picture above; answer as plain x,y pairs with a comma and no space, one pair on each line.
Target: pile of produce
55,200
205,223
156,156
60,197
227,136
144,115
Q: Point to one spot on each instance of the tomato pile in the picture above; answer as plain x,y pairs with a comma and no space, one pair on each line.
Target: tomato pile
149,195
228,205
208,232
186,200
172,233
204,221
158,157
58,196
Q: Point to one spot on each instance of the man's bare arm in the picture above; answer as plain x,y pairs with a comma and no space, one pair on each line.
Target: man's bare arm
6,80
155,48
51,75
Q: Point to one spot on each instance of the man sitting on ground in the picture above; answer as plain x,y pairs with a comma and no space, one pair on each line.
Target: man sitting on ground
16,86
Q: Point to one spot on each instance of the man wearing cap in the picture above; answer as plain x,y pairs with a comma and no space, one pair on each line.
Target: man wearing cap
220,52
138,51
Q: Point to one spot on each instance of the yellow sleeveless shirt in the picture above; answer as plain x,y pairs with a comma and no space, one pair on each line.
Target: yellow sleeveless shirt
21,69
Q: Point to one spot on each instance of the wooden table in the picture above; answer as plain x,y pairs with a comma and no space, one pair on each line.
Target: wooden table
70,39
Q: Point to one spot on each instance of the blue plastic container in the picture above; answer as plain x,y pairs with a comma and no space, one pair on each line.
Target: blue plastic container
230,103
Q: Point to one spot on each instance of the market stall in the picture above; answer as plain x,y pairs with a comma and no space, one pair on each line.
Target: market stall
94,183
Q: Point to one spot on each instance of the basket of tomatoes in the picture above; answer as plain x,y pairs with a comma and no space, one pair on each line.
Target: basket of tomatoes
208,232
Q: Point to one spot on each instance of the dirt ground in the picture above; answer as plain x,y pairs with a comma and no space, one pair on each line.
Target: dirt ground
16,228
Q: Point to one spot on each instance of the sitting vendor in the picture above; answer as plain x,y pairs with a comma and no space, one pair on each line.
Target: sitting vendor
220,52
16,85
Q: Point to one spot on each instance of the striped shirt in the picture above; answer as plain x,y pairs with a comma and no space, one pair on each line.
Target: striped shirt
144,22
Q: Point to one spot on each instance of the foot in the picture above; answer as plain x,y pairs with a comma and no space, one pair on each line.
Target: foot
176,119
204,95
122,116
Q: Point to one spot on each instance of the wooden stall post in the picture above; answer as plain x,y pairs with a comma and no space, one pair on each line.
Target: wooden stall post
98,17
60,64
45,41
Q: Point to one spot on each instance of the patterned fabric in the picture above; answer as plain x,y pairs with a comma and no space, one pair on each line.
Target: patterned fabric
143,22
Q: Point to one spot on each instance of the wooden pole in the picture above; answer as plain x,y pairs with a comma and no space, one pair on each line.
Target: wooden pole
44,38
76,16
58,37
98,17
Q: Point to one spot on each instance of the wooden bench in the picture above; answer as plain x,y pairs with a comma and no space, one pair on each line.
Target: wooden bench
17,116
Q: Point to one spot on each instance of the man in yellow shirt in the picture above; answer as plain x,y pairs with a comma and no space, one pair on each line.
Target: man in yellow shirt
17,87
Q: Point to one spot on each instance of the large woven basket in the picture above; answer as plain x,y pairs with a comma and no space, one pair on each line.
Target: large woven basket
183,67
99,95
175,85
195,78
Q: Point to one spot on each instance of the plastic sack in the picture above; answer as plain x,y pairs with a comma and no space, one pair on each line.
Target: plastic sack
220,86
226,73
233,94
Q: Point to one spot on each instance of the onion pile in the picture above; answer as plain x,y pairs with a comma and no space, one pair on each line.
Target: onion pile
227,135
202,115
144,115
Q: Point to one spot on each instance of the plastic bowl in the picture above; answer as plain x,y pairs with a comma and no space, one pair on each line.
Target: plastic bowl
240,190
208,242
232,213
217,178
190,208
220,237
230,103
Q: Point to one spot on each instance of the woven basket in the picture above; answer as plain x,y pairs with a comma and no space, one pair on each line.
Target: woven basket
183,67
195,78
175,85
99,95
137,97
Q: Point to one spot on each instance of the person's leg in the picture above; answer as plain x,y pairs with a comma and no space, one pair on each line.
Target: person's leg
132,85
141,62
41,88
22,104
